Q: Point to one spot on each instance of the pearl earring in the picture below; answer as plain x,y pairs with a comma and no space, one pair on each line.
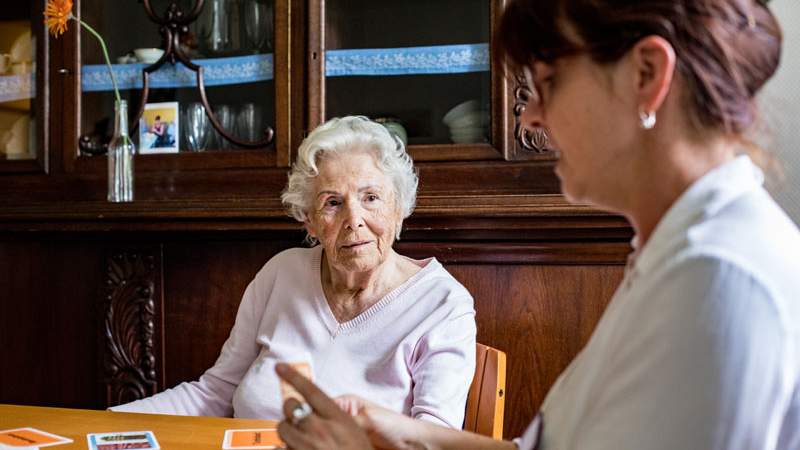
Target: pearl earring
647,119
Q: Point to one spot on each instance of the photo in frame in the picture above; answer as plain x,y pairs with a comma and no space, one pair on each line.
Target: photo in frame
158,128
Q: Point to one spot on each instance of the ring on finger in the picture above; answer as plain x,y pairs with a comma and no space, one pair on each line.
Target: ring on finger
300,412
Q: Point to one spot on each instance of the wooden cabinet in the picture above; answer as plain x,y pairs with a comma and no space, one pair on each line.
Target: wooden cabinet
175,260
406,63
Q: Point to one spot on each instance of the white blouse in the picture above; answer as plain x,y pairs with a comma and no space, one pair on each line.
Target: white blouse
700,346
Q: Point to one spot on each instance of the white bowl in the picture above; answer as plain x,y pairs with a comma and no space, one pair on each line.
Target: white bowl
460,110
148,55
469,129
478,118
468,134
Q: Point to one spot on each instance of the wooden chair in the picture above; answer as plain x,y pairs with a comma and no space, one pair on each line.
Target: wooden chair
487,397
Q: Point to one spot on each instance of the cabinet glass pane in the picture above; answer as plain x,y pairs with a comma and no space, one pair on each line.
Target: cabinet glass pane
231,40
18,81
411,62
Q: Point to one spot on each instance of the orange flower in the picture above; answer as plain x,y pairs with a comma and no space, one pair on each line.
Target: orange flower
56,15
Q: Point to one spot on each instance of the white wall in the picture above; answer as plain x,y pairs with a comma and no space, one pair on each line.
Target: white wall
780,108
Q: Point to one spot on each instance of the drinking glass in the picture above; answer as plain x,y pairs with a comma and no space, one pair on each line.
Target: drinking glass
257,23
196,126
215,27
249,122
226,118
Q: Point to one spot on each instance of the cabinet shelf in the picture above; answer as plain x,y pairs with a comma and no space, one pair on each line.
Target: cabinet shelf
17,87
440,59
216,72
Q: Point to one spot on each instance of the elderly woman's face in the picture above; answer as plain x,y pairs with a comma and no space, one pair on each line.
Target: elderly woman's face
354,214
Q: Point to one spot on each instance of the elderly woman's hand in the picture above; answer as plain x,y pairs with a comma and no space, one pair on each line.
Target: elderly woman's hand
327,427
386,429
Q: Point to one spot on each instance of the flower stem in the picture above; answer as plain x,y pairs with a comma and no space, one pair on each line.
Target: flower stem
105,54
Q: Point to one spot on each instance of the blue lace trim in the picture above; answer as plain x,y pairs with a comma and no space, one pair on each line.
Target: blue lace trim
440,59
17,87
216,72
408,61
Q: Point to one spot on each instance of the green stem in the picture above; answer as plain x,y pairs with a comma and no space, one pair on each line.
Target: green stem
105,54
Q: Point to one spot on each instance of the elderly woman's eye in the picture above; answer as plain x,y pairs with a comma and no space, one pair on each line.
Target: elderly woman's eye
332,202
372,197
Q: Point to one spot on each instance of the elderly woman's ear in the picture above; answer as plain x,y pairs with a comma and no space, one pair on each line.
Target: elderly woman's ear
310,231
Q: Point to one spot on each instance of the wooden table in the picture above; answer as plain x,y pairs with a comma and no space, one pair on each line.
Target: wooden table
172,432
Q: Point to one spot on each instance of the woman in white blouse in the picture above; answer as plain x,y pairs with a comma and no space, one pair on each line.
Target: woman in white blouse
649,103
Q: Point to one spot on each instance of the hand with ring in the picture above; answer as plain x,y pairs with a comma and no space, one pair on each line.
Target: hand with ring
319,423
300,412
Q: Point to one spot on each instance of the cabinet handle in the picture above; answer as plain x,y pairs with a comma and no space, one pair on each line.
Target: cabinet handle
64,71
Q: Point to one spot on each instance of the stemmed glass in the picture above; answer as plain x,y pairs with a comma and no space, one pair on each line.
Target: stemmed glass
249,122
197,126
257,23
226,119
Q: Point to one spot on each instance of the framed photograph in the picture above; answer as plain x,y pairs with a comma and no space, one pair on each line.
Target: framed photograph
158,128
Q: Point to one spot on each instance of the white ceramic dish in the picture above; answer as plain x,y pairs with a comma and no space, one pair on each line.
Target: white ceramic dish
148,55
470,119
469,128
460,110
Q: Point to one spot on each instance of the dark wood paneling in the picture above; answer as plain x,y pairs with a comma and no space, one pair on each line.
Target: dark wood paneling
541,316
204,283
49,321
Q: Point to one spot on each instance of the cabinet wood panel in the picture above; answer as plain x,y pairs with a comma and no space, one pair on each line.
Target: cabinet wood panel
541,316
204,284
49,288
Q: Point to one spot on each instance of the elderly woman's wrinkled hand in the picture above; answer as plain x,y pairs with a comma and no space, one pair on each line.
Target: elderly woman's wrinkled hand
326,427
386,429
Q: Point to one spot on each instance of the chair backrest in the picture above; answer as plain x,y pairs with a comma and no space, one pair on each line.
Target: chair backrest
487,396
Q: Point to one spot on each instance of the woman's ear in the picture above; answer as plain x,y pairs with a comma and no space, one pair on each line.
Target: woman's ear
654,61
310,229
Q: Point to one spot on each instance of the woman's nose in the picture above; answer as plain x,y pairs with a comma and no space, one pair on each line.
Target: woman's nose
354,215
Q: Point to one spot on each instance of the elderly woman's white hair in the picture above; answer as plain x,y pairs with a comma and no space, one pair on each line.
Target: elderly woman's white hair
351,133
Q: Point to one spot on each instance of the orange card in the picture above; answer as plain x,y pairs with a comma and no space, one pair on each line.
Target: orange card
30,437
254,438
287,390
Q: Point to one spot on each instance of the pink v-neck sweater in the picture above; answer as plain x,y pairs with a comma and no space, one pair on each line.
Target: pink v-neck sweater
413,351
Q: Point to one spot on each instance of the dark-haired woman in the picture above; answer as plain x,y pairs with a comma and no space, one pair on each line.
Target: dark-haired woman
648,102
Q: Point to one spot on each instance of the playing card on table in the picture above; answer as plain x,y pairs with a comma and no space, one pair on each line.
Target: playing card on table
287,390
30,437
249,439
122,440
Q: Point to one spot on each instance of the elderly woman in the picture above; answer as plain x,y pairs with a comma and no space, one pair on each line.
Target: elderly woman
368,320
649,103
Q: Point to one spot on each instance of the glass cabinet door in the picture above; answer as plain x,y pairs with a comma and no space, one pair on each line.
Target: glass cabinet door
421,67
232,40
20,118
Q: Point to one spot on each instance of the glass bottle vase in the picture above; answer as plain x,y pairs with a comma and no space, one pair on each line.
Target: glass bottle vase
120,157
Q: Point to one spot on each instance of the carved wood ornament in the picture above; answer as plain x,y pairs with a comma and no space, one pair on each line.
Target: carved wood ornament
129,327
531,140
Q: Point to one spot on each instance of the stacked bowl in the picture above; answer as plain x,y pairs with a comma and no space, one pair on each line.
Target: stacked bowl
468,123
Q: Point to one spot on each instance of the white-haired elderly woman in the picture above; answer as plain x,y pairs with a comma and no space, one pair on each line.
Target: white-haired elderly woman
398,331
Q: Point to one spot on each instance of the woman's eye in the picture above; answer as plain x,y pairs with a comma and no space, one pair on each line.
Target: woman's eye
371,197
332,202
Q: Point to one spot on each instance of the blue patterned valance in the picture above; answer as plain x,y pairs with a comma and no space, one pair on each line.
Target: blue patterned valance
253,68
17,87
216,72
408,61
